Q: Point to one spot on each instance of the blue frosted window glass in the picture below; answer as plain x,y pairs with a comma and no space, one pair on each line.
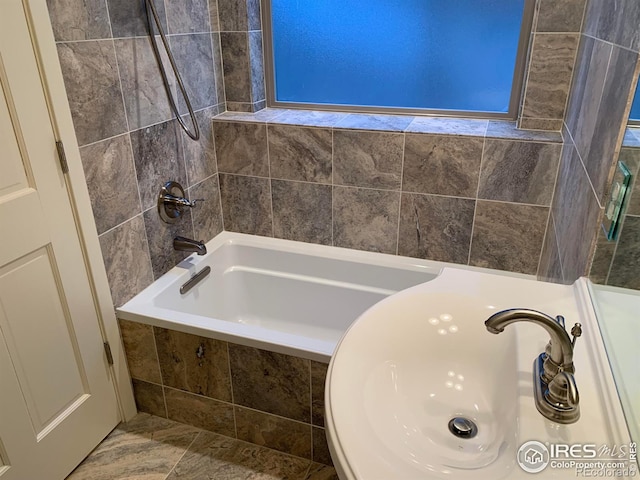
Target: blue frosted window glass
635,108
433,54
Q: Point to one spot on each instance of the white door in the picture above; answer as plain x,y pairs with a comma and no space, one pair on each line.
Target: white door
57,400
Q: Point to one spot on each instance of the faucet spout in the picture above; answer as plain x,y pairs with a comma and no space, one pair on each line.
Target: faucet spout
185,244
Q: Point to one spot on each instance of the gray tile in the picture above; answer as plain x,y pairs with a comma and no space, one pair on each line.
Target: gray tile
271,382
149,398
129,18
145,97
106,164
544,124
301,211
550,268
246,204
449,126
240,107
318,378
93,88
365,219
560,15
631,138
278,433
140,349
201,412
194,59
214,16
367,159
386,123
218,68
236,66
207,215
160,236
160,442
200,155
157,152
253,14
508,236
266,115
126,259
310,118
241,148
602,258
523,172
617,25
443,165
233,15
435,228
194,364
317,471
626,262
188,16
507,130
549,77
79,19
220,458
257,67
320,448
297,153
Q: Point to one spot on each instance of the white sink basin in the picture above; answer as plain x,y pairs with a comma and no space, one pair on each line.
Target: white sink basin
423,356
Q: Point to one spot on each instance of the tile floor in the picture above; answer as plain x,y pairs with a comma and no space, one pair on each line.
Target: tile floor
155,448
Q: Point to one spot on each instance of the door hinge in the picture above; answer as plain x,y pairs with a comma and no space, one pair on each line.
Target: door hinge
62,157
107,351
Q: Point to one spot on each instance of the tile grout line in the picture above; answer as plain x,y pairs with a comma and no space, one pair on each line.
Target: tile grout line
404,148
233,401
332,189
273,229
475,205
155,346
310,413
183,454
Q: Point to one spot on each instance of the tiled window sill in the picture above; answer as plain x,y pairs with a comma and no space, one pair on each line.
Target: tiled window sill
632,138
498,129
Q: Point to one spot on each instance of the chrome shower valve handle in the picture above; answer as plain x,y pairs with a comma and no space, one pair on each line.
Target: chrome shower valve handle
172,202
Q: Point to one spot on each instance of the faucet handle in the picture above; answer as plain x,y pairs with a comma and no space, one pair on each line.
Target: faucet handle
562,391
560,320
576,331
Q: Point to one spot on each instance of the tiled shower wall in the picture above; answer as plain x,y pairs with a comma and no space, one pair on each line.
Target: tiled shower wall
594,128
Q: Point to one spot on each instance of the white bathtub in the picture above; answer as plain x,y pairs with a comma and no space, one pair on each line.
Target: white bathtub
284,296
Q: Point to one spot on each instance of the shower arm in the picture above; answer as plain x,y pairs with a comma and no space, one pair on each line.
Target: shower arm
153,13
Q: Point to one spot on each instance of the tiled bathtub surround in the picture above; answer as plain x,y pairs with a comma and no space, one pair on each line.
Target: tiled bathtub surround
261,397
466,191
130,143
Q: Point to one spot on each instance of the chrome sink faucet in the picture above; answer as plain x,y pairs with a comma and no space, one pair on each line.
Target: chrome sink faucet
184,244
555,391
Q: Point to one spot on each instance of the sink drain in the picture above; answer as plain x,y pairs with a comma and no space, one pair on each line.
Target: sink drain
463,427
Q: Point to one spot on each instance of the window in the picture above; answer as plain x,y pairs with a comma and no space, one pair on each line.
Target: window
441,55
634,117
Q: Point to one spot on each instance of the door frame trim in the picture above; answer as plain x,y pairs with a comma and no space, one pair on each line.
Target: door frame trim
56,96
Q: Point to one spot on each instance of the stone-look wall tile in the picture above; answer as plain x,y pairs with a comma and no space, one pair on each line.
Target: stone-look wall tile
144,94
241,148
318,471
186,16
266,115
246,204
200,156
435,228
508,236
257,67
320,448
93,88
145,447
549,78
214,16
301,211
235,62
129,18
201,412
253,14
523,172
233,15
79,19
106,164
271,382
560,15
194,364
297,153
365,219
194,59
149,398
575,211
508,130
386,123
218,68
543,124
160,236
158,156
318,379
550,268
278,433
443,165
126,259
616,24
602,259
626,262
140,348
467,127
310,118
214,456
240,107
367,159
207,215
